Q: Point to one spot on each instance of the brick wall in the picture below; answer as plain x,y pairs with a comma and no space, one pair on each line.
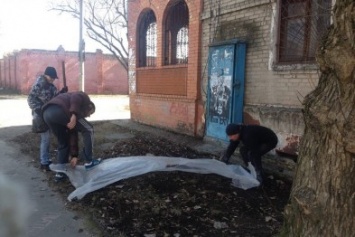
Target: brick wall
102,73
178,111
273,94
252,21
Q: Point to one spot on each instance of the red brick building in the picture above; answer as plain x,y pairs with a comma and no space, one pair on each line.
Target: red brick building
165,81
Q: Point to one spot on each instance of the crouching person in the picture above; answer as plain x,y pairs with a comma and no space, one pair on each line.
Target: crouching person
256,141
65,113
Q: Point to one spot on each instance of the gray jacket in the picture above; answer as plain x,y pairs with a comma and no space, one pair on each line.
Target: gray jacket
41,92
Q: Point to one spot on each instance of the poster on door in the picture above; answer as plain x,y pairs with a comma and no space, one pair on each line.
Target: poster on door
220,89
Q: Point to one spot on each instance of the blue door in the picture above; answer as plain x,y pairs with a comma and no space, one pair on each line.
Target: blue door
225,96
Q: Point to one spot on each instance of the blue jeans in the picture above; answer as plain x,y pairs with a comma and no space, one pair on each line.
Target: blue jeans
44,147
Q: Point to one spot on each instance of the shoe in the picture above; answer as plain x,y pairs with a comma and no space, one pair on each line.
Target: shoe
92,164
59,177
45,168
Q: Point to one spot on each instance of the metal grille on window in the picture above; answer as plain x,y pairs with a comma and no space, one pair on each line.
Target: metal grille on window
176,38
302,25
147,40
151,44
182,49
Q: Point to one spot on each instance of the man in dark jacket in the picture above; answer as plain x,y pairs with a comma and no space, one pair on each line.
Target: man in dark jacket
65,114
256,141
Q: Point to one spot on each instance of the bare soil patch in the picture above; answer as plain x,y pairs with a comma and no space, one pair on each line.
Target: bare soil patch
169,203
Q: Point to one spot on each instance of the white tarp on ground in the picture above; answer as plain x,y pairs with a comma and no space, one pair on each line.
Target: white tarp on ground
115,169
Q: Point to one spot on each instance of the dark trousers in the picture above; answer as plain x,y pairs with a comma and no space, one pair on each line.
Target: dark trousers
57,122
254,155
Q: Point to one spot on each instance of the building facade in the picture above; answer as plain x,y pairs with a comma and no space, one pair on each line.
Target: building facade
196,66
165,86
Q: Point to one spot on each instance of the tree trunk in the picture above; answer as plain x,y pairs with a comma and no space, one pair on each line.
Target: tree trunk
322,200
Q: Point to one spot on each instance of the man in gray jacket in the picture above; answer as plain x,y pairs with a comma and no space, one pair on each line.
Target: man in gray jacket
41,92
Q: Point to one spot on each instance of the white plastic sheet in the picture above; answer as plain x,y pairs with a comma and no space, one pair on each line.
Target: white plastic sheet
115,169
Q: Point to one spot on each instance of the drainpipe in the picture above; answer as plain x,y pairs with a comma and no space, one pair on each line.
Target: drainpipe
81,50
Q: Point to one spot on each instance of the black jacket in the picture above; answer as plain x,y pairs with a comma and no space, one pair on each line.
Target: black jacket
252,137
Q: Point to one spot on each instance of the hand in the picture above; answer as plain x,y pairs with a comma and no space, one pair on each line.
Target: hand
74,161
64,90
72,122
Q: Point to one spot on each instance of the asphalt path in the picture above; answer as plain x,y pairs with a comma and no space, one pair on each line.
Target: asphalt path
44,212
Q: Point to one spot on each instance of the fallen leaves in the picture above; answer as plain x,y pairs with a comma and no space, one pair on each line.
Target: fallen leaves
172,203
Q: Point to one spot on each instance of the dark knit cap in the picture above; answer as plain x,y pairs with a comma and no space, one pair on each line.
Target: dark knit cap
233,128
51,72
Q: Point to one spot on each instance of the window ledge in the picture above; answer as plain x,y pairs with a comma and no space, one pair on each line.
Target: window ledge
175,65
299,66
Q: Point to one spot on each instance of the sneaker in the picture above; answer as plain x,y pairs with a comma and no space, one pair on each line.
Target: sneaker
45,168
92,164
59,177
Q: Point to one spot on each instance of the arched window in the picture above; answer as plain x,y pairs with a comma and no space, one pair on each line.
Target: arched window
147,40
176,37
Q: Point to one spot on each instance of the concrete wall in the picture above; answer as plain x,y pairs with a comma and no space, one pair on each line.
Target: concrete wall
102,73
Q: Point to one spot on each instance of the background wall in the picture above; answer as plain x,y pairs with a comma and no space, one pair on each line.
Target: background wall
102,72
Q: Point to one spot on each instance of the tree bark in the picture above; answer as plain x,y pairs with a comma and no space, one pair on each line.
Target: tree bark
322,200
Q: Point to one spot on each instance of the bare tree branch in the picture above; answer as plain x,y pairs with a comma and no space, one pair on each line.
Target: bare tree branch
105,22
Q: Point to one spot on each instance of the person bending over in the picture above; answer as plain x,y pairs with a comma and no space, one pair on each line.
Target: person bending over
255,141
64,114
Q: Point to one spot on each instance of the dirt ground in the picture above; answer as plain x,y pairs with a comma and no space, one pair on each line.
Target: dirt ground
169,203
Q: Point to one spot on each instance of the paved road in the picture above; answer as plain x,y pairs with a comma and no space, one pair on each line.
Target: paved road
48,214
